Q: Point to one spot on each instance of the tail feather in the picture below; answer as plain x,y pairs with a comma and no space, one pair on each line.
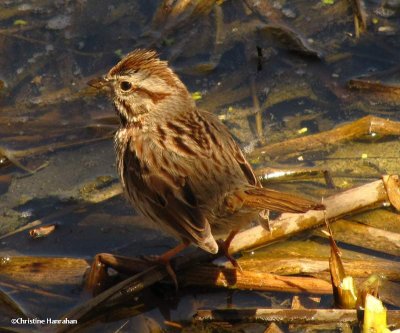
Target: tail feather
264,198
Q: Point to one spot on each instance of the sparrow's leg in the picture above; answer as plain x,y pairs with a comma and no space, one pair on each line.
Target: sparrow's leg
224,247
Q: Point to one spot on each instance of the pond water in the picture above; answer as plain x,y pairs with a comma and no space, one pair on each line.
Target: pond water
271,70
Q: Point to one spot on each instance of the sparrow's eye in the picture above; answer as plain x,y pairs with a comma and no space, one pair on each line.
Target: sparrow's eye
125,85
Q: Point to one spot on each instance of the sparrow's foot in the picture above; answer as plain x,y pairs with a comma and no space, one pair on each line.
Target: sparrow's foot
165,260
224,248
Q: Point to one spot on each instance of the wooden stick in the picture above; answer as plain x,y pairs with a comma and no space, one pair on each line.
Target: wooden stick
44,270
288,316
209,275
363,126
269,175
13,155
360,18
366,237
44,220
371,194
365,196
319,267
273,328
257,273
256,105
104,194
135,283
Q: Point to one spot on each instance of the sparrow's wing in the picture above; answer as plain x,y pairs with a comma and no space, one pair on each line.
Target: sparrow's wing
229,149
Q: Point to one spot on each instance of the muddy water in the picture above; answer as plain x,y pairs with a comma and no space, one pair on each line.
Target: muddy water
294,58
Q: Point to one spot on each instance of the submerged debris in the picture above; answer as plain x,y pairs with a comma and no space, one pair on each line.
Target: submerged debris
42,231
284,76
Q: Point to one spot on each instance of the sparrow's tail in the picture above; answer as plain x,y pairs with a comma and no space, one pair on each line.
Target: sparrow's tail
267,199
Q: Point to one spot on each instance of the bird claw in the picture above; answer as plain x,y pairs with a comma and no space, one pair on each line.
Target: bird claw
166,263
224,248
165,260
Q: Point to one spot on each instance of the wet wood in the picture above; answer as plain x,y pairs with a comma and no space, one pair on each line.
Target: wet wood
32,289
285,91
103,194
273,328
283,36
42,221
385,83
319,267
305,302
8,304
213,276
257,109
268,175
264,10
172,15
362,127
389,292
54,147
366,237
380,218
97,278
44,270
368,195
7,157
311,302
393,190
360,17
348,202
129,286
374,86
14,155
289,316
344,292
42,231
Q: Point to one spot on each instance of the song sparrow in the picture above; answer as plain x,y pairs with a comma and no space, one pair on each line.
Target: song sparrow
178,165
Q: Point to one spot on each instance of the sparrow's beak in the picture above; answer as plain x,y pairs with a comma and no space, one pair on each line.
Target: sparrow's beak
99,83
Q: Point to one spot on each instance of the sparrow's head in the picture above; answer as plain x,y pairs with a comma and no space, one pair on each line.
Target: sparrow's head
140,83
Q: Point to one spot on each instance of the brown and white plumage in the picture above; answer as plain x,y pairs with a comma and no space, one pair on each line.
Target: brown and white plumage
179,165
